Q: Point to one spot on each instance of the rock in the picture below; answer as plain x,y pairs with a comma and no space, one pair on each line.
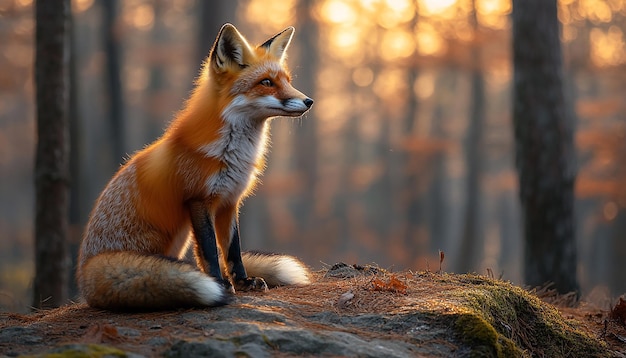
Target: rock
20,335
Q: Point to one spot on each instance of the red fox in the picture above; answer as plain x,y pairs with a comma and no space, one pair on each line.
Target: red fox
186,188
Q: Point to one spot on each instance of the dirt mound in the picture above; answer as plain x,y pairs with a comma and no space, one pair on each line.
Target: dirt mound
347,311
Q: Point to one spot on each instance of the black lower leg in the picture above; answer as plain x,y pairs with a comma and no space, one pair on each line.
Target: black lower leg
206,242
237,270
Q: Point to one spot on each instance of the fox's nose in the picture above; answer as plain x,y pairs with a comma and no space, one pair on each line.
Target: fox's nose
308,102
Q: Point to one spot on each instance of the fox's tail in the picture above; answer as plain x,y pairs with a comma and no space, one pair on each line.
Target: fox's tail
127,280
130,281
276,270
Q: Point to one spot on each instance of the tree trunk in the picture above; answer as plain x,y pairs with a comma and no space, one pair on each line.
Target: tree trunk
544,147
211,16
113,79
403,169
617,264
437,212
305,132
77,213
52,153
472,242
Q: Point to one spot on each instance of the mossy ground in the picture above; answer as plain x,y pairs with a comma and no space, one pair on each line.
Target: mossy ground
525,325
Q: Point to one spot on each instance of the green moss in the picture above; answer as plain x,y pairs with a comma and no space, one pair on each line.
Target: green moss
269,342
478,334
485,341
83,351
512,322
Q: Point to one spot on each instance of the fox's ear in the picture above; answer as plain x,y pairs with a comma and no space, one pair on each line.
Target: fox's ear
230,49
278,44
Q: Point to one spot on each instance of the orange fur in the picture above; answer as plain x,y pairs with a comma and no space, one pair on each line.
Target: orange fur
223,225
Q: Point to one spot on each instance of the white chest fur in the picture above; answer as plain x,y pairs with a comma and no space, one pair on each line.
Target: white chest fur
240,146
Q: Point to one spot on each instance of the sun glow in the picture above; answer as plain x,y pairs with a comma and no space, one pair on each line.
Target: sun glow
338,12
493,13
393,30
435,7
607,48
282,14
397,44
395,12
140,16
429,41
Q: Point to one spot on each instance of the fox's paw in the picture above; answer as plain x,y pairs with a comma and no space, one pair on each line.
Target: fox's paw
251,284
228,287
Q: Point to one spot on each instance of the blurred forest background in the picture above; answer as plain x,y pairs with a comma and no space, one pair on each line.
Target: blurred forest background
390,165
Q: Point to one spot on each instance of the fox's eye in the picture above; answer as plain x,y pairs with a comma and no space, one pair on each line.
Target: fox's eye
267,82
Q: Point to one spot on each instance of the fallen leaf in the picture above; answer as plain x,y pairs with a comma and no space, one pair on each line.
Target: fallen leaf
101,333
392,285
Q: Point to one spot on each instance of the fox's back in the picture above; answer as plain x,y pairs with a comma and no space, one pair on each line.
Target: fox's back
131,215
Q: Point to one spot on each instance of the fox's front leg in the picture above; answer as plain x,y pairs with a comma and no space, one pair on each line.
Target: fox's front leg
205,245
227,226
